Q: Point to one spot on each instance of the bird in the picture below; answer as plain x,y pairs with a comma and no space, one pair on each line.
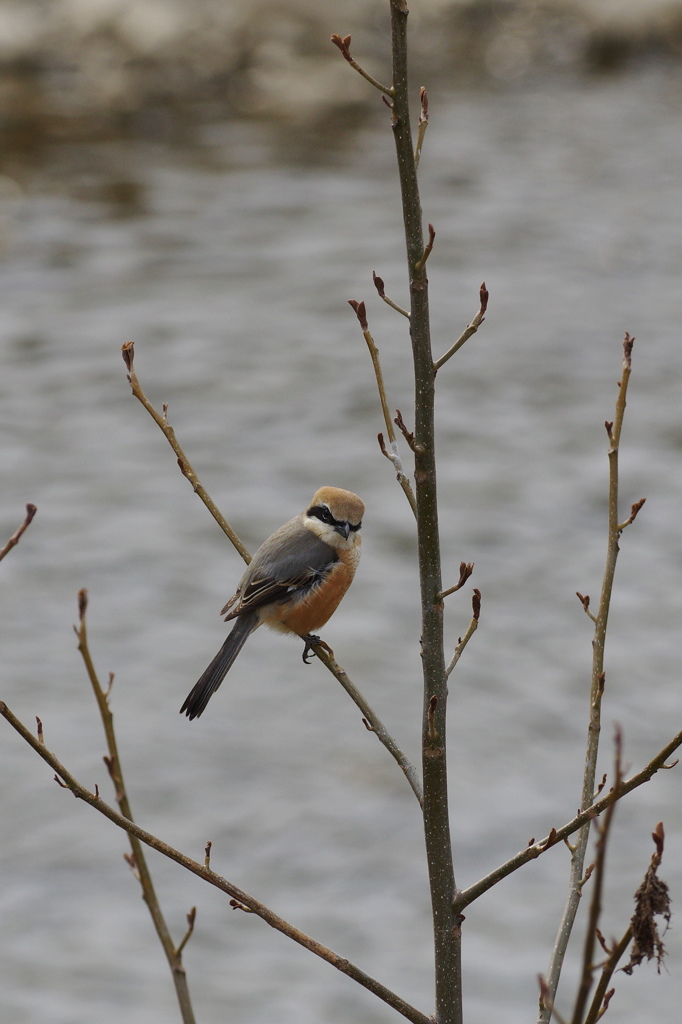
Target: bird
294,583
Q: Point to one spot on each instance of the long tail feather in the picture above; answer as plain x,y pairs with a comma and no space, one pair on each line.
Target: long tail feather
205,687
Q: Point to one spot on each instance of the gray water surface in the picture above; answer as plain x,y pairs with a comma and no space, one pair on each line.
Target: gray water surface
230,268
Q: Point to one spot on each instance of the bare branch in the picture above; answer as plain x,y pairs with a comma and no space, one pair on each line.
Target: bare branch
371,720
128,352
394,456
191,918
422,125
467,896
16,536
379,285
585,602
473,626
613,430
428,248
344,46
465,571
67,781
137,859
468,331
633,514
599,880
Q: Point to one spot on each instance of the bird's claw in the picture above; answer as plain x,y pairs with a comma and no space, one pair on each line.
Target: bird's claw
311,641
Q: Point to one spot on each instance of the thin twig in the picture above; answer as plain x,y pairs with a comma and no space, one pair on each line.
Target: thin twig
67,781
465,571
599,875
585,602
16,536
191,918
473,626
343,44
468,331
422,125
634,511
394,456
613,430
428,249
379,285
138,860
599,1000
128,352
532,852
544,997
372,721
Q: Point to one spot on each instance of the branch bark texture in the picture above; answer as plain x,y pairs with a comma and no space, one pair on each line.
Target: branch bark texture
446,923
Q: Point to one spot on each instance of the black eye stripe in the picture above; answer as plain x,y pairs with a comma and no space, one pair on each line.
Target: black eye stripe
322,513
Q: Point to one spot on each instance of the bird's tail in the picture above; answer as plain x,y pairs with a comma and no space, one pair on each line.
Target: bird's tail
205,687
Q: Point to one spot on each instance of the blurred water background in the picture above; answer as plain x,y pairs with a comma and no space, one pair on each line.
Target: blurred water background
226,248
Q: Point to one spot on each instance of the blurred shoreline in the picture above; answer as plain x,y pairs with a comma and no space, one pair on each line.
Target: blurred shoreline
76,69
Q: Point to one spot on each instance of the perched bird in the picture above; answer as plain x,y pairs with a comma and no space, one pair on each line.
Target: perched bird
294,582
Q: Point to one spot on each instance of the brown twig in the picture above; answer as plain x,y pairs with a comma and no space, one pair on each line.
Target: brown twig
473,626
422,125
468,330
371,720
379,285
613,430
343,44
393,456
465,571
634,511
599,874
447,923
16,536
67,781
428,249
657,763
128,352
585,602
137,861
545,998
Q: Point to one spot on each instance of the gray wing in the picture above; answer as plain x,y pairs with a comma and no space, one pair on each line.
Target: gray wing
272,576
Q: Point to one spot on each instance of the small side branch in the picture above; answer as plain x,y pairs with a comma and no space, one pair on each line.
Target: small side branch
422,125
128,352
379,285
633,515
651,899
465,571
473,626
534,850
428,249
393,456
468,331
372,721
613,430
343,44
585,602
68,781
16,537
136,859
599,873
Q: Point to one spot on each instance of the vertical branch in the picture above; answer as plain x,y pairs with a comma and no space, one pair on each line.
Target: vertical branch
137,860
613,430
436,820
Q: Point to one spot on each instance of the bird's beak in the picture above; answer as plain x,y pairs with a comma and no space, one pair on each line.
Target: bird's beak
343,529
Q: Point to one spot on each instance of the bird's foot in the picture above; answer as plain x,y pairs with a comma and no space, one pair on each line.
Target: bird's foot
311,641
